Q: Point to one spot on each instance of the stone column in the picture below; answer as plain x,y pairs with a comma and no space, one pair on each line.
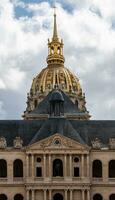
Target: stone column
27,195
65,194
82,165
44,194
32,166
83,194
10,172
27,165
88,194
70,160
50,195
87,165
71,195
44,166
65,165
33,194
50,166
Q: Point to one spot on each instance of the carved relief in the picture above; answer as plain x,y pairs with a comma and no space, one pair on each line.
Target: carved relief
96,143
18,142
3,143
112,143
58,142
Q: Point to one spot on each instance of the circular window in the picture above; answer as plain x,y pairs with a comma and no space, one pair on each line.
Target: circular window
38,159
76,159
57,142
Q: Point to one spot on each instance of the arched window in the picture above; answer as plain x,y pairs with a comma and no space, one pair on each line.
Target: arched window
3,197
57,167
76,165
18,168
76,103
35,103
18,197
97,197
112,197
112,169
97,169
58,196
3,168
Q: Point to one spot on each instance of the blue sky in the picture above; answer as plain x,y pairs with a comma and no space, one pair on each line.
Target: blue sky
22,11
88,30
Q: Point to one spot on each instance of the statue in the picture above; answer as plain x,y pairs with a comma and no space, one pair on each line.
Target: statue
3,143
18,142
112,143
96,144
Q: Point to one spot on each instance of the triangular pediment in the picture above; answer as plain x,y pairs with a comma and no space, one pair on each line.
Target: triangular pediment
58,141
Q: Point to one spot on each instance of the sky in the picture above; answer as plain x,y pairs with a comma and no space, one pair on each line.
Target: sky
88,30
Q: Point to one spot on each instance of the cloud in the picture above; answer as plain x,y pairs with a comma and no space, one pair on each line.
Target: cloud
89,39
2,111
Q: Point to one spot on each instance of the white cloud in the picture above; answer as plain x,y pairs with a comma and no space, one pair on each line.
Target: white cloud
89,48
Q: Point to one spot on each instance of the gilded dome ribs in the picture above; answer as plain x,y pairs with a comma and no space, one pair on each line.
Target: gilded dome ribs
56,76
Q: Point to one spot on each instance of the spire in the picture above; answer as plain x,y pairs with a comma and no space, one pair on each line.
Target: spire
55,35
55,47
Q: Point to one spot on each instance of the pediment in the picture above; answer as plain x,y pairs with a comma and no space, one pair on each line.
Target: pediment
58,141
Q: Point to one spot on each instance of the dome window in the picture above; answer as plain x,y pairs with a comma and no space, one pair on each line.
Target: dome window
56,103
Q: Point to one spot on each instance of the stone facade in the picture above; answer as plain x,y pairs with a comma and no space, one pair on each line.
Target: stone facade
44,186
61,154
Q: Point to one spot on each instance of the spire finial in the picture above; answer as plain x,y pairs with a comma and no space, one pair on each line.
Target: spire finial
55,47
55,35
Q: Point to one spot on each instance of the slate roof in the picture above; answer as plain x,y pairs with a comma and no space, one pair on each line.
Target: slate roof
43,107
35,130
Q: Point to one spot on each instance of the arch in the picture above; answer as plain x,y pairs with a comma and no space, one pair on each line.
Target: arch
97,169
58,196
112,169
76,103
57,167
3,197
18,197
97,197
112,197
35,103
18,168
3,168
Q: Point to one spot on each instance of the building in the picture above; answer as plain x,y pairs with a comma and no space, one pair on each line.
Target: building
56,152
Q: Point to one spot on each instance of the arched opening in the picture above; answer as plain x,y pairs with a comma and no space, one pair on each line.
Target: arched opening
97,197
112,197
59,52
18,197
18,168
112,169
58,196
35,103
3,168
97,169
76,103
52,50
3,197
57,167
76,164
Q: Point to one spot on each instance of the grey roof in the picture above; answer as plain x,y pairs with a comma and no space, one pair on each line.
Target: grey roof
56,95
43,107
35,130
57,125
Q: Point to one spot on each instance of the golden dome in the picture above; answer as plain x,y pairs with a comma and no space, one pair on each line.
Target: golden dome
56,76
